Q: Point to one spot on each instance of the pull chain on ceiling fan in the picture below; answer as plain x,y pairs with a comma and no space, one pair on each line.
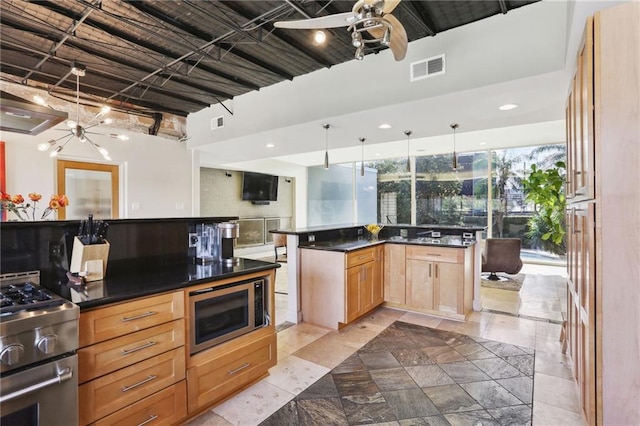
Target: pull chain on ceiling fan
75,128
372,16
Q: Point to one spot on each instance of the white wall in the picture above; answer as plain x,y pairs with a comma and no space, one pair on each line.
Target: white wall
156,173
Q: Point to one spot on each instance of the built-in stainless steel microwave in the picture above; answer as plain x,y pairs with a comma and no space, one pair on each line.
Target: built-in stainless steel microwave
222,313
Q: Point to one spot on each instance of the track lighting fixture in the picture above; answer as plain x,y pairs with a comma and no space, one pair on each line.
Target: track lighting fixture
362,162
326,145
408,133
454,126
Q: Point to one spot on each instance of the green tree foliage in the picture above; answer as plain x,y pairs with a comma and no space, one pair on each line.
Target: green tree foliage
545,188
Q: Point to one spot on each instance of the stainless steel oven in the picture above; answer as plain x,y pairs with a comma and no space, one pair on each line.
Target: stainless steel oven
224,312
46,394
38,361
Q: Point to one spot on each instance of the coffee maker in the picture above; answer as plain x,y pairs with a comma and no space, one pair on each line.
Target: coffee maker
215,241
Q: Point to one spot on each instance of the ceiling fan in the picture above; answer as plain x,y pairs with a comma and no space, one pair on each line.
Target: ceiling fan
372,16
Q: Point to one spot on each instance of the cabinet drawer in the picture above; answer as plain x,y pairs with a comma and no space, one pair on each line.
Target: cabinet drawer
105,357
110,393
220,376
360,256
166,407
114,321
435,254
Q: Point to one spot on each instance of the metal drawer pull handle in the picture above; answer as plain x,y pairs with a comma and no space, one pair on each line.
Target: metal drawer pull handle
62,376
142,382
149,420
242,367
146,314
139,348
433,254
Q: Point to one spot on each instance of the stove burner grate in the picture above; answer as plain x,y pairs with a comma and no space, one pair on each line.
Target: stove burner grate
25,296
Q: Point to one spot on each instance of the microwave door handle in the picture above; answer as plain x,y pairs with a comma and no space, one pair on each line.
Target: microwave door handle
201,291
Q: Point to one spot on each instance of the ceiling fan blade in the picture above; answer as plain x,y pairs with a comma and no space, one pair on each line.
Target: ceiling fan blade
330,21
399,40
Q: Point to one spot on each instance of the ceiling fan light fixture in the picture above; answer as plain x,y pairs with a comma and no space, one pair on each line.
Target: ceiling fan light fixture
105,110
386,38
356,39
39,100
360,53
123,137
319,37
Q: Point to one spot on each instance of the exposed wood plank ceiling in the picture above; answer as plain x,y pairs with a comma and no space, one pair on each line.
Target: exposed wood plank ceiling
179,57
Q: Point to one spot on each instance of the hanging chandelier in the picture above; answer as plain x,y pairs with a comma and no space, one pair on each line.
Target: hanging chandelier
76,129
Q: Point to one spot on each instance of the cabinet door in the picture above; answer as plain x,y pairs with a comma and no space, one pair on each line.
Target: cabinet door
377,293
367,286
420,281
449,287
394,274
353,296
583,167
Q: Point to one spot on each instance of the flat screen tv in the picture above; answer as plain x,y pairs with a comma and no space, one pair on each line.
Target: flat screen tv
259,187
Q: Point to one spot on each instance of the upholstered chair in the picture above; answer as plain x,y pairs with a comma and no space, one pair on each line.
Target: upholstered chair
280,240
501,255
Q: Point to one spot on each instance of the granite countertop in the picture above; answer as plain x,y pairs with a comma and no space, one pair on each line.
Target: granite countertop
311,229
119,286
347,245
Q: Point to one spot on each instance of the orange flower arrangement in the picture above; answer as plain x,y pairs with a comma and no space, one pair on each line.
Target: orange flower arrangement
15,204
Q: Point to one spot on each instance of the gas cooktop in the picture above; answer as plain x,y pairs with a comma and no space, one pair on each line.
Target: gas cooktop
26,296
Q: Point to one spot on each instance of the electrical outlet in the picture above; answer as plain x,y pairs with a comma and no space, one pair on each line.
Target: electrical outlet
404,233
55,251
312,238
193,240
360,231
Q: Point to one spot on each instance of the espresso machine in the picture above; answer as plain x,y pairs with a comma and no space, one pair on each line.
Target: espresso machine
215,242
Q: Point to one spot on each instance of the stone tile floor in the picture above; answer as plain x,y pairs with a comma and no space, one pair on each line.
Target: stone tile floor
307,353
411,374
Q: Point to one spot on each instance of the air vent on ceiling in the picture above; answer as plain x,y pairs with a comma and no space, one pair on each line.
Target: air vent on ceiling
217,122
426,68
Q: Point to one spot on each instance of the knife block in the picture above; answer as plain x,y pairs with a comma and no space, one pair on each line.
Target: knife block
91,259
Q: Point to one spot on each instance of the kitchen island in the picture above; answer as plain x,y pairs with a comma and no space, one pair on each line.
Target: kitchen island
429,269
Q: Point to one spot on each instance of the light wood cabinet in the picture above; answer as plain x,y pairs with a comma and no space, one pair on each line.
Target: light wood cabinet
117,320
163,408
430,279
128,352
603,226
338,288
394,273
107,394
229,367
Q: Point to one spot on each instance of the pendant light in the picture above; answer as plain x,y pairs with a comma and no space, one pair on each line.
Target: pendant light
408,133
454,126
326,145
362,163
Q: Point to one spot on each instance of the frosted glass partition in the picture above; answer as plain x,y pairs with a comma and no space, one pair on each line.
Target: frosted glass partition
366,196
91,192
330,195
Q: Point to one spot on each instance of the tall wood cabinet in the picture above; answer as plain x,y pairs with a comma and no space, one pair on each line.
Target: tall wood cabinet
603,219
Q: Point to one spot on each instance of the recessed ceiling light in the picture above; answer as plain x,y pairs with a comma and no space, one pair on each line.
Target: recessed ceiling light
420,150
377,154
269,145
483,143
507,107
384,126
